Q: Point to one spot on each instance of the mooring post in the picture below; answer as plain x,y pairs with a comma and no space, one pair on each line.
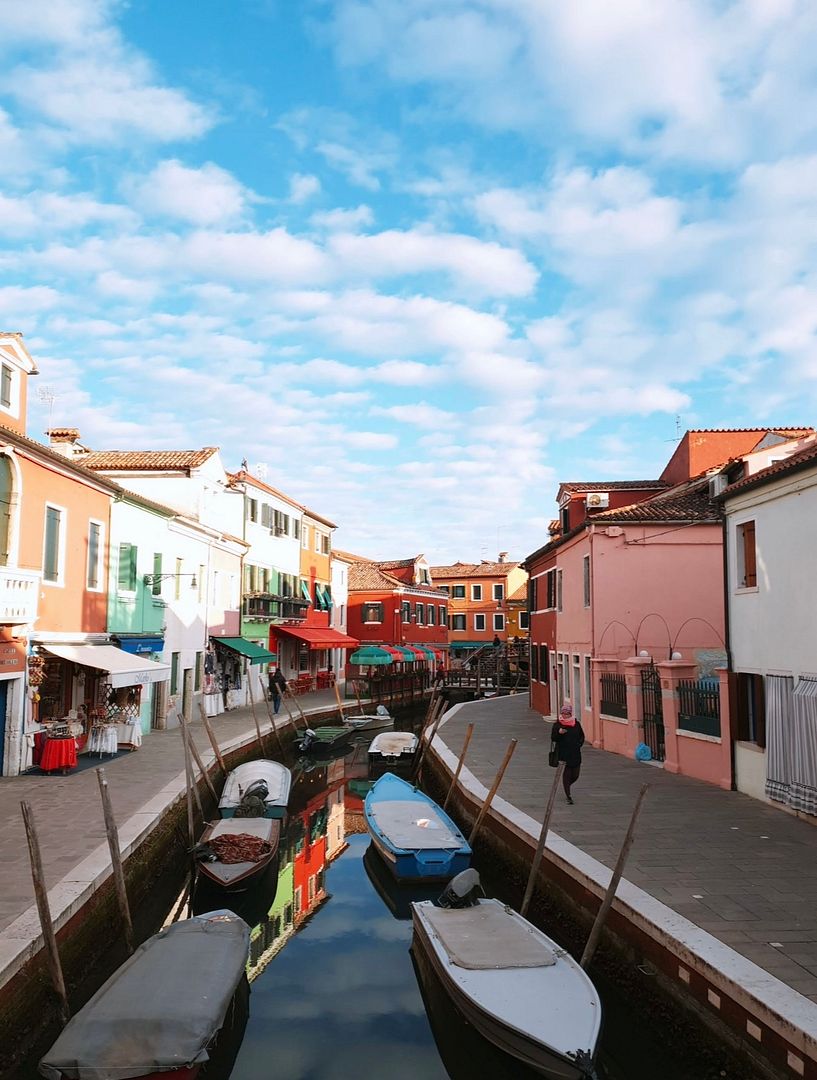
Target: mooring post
188,782
340,703
188,762
607,902
116,859
436,718
273,725
254,714
540,848
41,895
194,750
211,736
497,781
469,731
415,765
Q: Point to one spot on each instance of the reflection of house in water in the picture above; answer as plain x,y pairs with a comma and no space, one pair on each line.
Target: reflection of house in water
270,936
355,820
310,856
336,812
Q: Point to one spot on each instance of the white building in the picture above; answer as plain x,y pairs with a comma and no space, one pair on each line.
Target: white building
339,568
772,571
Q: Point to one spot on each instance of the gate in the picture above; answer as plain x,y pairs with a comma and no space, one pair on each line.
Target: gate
653,711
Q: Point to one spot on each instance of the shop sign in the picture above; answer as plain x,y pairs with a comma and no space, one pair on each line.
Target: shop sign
12,657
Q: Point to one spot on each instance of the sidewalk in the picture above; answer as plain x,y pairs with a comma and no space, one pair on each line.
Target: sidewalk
741,870
68,809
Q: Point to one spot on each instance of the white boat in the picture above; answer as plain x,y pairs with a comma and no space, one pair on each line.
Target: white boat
514,984
380,718
270,781
391,747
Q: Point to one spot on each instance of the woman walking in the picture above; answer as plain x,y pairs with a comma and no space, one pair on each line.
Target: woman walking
568,739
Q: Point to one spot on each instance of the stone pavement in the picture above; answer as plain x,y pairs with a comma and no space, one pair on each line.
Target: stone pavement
739,869
68,809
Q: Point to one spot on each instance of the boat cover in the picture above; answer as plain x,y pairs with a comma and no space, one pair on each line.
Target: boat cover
392,743
277,777
488,936
412,824
161,1009
267,829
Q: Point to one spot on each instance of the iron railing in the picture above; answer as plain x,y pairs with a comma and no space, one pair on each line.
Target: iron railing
699,706
613,694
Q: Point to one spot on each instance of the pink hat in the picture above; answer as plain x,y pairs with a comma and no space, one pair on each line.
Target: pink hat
566,709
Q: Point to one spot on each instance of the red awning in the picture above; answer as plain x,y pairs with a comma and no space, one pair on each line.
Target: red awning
417,652
317,637
396,654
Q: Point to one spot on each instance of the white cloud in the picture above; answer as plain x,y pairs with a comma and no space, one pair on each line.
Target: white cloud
371,440
406,373
303,186
208,195
20,302
136,290
345,220
39,211
419,414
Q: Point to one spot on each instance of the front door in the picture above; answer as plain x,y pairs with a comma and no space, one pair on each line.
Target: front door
653,711
4,690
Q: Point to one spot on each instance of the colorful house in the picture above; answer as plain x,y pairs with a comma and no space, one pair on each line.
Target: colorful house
478,601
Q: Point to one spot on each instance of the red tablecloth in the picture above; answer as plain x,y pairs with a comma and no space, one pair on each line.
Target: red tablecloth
59,754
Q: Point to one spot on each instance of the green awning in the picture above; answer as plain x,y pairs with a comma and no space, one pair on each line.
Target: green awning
256,654
320,592
370,654
305,592
326,596
407,653
429,652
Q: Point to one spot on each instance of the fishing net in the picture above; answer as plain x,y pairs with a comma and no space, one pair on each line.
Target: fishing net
239,848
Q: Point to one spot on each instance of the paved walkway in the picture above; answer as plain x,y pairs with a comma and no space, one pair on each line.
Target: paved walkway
739,869
68,809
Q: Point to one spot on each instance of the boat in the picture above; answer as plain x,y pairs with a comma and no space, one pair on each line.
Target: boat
512,983
219,851
323,740
267,781
392,748
380,718
160,1014
417,839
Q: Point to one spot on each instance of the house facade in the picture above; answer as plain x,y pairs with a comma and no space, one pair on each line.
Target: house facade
478,601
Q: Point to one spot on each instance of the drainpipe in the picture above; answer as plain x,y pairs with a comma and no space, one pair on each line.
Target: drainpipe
728,636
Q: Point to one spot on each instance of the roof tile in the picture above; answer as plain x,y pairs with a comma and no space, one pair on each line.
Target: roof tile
148,460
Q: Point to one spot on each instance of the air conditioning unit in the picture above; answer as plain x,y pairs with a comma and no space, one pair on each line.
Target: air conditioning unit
598,500
718,484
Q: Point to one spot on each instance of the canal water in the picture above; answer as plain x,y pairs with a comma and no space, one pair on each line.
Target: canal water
335,991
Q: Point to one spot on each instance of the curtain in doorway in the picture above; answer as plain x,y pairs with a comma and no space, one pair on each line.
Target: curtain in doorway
778,735
803,749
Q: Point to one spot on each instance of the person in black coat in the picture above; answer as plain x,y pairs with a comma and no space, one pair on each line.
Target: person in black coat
277,686
568,738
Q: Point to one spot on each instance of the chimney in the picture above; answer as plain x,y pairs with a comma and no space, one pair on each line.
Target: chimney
65,440
503,555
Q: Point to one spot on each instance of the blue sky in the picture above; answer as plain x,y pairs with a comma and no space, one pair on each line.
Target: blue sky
421,258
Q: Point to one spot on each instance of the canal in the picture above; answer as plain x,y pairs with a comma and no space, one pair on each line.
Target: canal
335,993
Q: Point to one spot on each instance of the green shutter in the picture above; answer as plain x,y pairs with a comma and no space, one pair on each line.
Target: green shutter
51,566
156,587
93,555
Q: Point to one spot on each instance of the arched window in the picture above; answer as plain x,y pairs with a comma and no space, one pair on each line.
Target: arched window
6,495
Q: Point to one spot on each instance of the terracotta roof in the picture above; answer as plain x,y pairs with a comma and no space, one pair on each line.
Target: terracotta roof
520,594
791,433
802,460
684,503
397,564
345,556
613,485
69,463
148,460
467,570
367,575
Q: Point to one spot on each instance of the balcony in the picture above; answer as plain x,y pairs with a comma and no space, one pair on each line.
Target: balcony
267,607
19,593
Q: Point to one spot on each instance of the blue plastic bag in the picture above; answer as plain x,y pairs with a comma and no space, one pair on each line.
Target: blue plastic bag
643,752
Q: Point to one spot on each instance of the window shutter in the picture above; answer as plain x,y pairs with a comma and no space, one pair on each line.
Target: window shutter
749,558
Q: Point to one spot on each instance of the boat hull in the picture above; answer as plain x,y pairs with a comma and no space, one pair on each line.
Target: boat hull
237,877
433,867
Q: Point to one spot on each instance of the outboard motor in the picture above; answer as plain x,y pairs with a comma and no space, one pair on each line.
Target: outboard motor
381,710
308,739
462,891
253,800
258,788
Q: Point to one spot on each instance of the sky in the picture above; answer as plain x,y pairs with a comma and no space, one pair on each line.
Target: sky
417,261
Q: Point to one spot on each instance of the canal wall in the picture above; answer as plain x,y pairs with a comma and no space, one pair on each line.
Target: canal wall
680,975
154,846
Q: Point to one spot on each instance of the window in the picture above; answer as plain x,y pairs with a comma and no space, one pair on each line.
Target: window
178,578
174,673
266,515
499,592
317,541
372,613
564,519
305,537
199,670
457,622
550,578
6,497
156,586
405,612
441,620
126,581
445,588
499,621
325,544
524,621
476,592
252,509
479,622
746,556
420,610
577,684
533,594
94,554
588,684
544,664
5,386
458,592
425,578
558,590
751,709
431,614
296,527
586,579
52,556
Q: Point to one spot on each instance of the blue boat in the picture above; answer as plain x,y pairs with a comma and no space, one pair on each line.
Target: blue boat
416,838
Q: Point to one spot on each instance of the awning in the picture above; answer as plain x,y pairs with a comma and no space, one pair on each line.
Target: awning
123,668
147,644
419,654
317,637
324,597
429,653
371,654
406,651
256,654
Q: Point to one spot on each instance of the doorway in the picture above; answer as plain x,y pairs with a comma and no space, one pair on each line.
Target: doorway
4,693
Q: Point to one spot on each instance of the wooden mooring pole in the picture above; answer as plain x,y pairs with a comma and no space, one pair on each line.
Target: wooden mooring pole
205,719
273,724
116,859
607,902
188,763
41,895
497,781
195,752
540,848
436,717
254,713
340,703
188,783
469,731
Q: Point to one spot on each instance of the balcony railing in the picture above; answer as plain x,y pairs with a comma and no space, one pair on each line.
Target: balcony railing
19,593
271,606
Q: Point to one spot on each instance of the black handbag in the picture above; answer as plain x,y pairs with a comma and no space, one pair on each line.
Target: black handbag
553,756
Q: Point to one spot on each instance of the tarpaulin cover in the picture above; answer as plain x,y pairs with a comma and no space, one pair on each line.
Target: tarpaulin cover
161,1009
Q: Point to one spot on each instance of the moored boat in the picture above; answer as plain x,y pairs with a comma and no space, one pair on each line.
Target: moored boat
158,1016
514,984
380,718
264,781
323,740
392,748
417,839
234,852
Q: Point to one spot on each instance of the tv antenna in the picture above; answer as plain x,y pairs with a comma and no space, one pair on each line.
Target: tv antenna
48,395
678,431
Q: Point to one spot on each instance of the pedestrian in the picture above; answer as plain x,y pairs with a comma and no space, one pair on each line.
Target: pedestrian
567,736
277,686
497,642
